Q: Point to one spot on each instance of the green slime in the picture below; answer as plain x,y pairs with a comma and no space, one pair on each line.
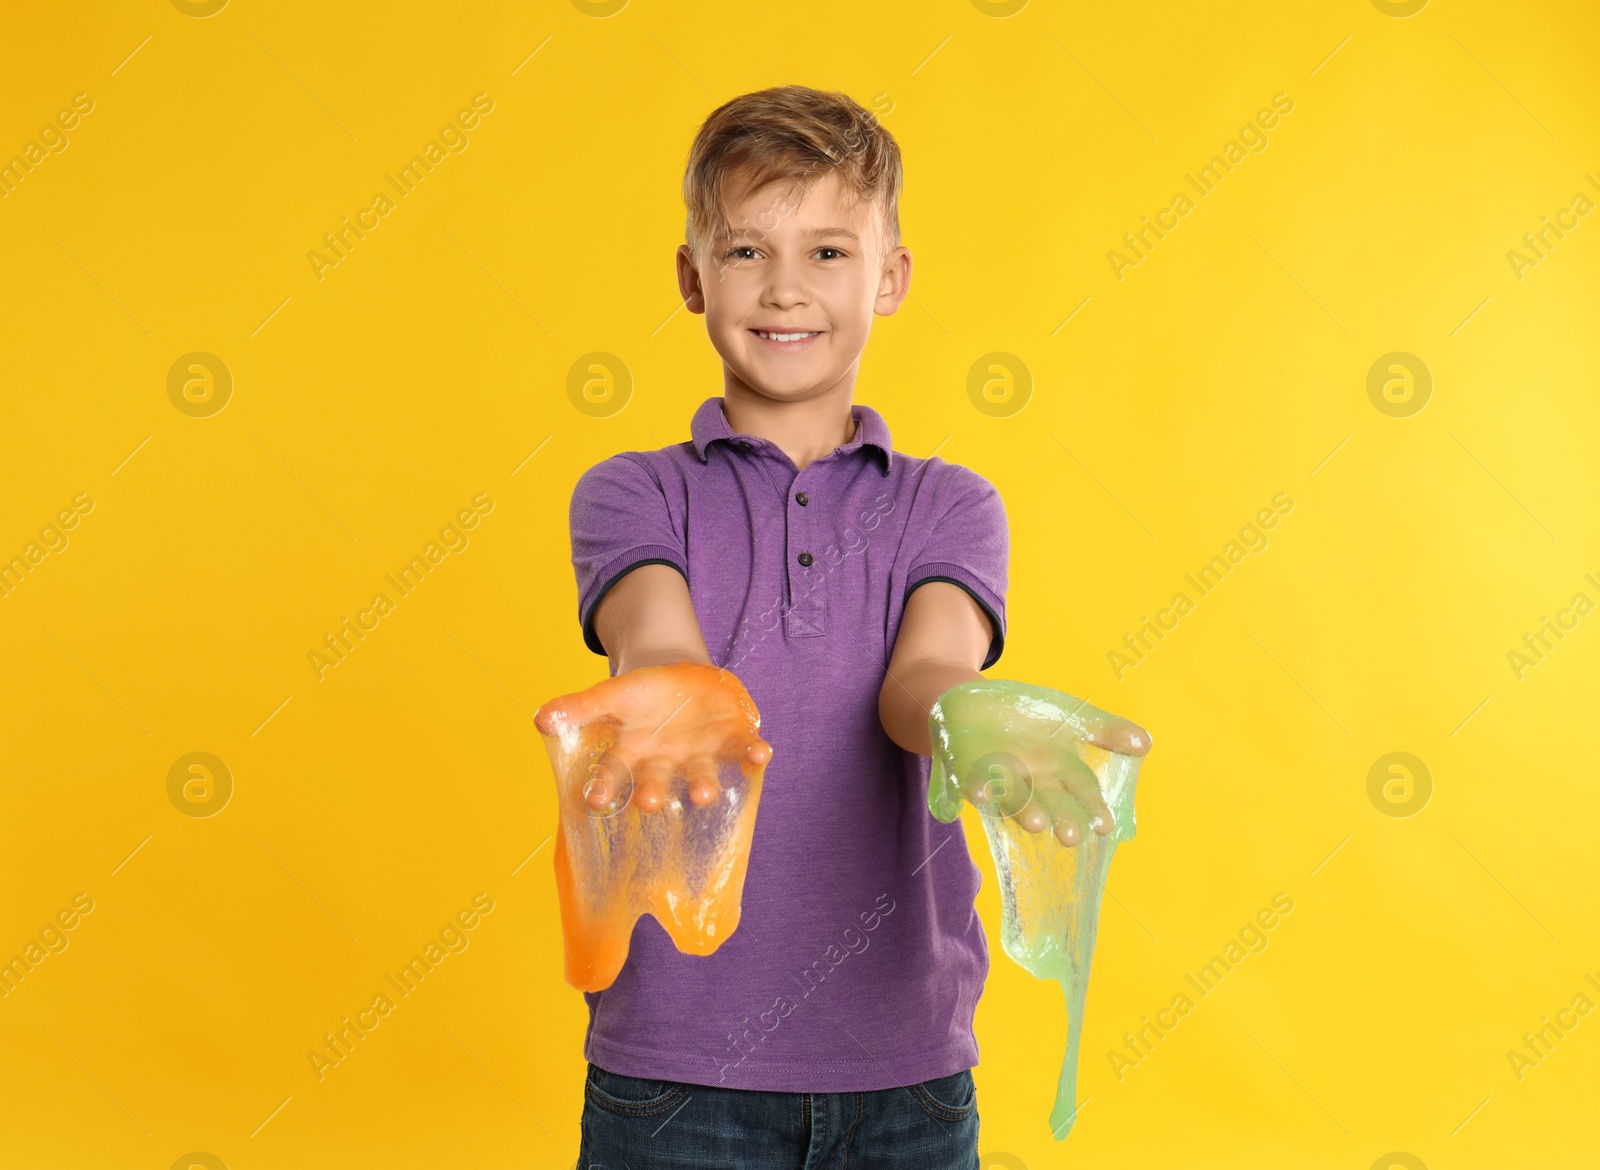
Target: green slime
1050,893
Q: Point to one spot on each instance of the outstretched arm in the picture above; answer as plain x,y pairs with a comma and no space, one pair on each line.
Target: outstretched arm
666,721
647,619
942,639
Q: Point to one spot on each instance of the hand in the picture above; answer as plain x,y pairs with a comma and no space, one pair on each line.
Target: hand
653,724
1040,786
1010,749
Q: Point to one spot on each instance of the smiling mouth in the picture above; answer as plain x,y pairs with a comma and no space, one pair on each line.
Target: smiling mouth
771,335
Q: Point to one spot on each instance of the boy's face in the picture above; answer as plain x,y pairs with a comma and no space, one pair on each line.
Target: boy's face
809,264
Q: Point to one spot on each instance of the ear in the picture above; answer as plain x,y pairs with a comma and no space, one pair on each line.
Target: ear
689,284
894,281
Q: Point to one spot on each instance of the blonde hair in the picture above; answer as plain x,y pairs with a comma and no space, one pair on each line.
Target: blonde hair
794,133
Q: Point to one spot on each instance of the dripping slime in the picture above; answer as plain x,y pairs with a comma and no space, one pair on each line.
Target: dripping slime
658,777
1017,751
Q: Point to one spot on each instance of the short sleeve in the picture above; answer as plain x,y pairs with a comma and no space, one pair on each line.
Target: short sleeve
969,546
620,519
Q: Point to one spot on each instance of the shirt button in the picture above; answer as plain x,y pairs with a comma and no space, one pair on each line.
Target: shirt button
805,558
744,446
802,499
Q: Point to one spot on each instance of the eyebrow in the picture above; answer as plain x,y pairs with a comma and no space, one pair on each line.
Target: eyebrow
814,233
821,232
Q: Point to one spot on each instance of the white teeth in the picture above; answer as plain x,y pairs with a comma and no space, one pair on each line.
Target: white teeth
784,336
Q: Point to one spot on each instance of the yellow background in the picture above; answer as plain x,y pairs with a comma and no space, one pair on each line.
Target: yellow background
372,404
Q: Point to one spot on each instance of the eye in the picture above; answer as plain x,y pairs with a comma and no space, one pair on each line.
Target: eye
835,251
733,253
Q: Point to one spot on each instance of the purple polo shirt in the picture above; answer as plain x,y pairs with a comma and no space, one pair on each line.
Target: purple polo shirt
859,958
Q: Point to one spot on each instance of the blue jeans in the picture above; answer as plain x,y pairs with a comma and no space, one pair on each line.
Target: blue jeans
634,1124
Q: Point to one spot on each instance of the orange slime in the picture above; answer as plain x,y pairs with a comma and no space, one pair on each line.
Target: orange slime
658,776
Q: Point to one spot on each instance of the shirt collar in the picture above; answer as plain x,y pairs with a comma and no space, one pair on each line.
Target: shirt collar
710,423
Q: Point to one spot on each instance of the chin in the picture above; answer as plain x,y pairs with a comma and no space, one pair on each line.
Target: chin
785,389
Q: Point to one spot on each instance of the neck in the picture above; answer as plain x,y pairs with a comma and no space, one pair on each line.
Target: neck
804,430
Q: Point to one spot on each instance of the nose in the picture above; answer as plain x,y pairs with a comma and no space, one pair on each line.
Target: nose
786,284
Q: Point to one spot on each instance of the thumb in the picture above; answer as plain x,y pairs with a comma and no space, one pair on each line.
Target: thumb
566,712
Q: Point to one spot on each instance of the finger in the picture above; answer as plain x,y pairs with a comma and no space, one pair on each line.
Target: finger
650,783
1112,733
567,711
748,748
1127,738
1105,730
1033,816
548,717
758,750
704,787
1070,822
597,788
607,783
999,784
1078,779
1060,812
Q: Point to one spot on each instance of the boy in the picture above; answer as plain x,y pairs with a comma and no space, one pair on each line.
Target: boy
846,586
